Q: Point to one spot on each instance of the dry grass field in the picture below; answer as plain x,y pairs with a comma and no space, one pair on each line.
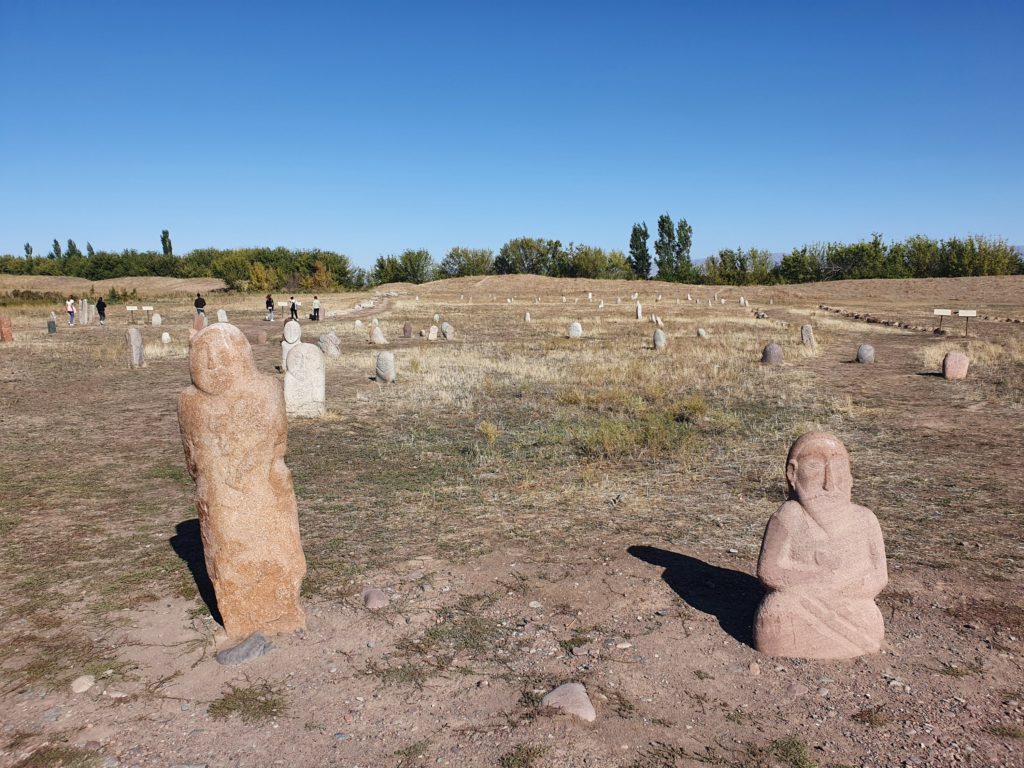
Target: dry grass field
539,510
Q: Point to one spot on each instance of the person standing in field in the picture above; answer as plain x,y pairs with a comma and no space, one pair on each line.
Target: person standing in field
69,305
101,310
316,308
270,308
293,308
200,305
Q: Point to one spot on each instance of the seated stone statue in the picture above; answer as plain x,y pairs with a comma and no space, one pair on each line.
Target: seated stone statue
822,562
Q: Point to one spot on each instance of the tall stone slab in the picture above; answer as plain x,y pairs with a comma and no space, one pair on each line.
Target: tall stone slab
235,435
136,351
6,331
385,367
292,336
305,383
822,561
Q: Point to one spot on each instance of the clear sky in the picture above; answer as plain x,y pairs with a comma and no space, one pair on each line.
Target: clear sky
373,127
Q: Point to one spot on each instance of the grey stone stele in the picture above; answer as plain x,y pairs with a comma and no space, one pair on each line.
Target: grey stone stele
575,330
701,333
772,354
447,331
807,336
222,316
385,368
660,340
136,352
865,353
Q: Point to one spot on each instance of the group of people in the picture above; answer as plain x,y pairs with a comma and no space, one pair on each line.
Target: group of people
293,308
101,310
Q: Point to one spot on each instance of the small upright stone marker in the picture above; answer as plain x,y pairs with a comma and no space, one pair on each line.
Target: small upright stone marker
222,316
639,311
385,368
447,331
954,366
660,340
292,336
526,317
807,336
330,344
305,382
822,562
136,352
377,335
865,353
575,330
432,333
407,330
235,436
6,331
572,699
165,337
701,333
771,354
157,319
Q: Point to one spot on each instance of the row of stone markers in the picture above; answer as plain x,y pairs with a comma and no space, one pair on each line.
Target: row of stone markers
822,560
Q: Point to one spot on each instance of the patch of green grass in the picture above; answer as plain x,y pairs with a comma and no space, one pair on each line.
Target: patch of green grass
521,756
254,704
873,716
793,752
574,642
405,674
463,629
957,670
616,437
169,472
60,757
108,669
8,523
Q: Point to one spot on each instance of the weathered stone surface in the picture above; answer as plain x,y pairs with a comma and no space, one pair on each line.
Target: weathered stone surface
432,333
165,337
305,393
385,367
374,599
447,331
377,335
375,322
822,561
6,331
292,336
330,344
572,699
437,318
222,316
575,330
51,327
526,317
82,684
198,323
771,354
701,333
807,336
136,352
660,340
254,646
407,330
157,319
358,323
235,435
639,311
865,353
955,365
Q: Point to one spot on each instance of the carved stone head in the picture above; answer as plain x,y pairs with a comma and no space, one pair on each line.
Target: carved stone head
219,357
818,469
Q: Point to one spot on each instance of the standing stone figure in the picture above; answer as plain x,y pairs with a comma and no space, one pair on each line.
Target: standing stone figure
639,311
305,385
772,354
6,332
222,316
822,561
136,353
330,344
292,336
660,340
377,335
526,317
157,319
385,368
165,338
955,365
807,336
235,435
432,333
407,330
575,330
447,331
865,353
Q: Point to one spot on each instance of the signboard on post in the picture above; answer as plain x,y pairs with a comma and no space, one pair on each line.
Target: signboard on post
131,311
966,314
942,313
149,313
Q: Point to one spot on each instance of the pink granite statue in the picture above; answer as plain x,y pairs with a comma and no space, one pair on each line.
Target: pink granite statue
822,562
235,434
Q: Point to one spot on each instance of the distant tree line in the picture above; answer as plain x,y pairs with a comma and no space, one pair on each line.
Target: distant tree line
271,269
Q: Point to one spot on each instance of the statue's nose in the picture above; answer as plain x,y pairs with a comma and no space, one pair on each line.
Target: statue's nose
829,484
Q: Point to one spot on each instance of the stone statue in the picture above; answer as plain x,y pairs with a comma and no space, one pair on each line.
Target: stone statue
822,562
305,392
235,434
136,350
292,336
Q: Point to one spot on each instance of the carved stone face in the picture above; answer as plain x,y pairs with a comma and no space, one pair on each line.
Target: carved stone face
818,469
219,357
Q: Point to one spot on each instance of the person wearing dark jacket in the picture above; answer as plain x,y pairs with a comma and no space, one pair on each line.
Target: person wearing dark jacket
200,305
270,308
101,310
293,308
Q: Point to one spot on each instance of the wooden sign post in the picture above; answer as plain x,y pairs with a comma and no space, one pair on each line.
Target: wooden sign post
942,313
966,314
131,312
149,313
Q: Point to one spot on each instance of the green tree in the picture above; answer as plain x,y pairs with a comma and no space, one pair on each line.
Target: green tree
639,254
463,262
685,272
56,253
72,249
387,269
802,265
89,251
527,256
233,269
165,243
665,248
28,251
417,266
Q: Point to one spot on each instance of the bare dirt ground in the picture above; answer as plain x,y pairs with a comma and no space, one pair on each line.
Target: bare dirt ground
539,510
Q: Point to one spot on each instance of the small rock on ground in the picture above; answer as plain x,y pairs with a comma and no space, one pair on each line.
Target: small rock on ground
374,599
254,646
82,684
572,699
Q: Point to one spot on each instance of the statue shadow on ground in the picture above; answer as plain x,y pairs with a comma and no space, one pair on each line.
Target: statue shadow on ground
187,544
730,596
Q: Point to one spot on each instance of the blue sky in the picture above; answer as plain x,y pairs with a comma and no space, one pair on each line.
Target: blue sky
374,127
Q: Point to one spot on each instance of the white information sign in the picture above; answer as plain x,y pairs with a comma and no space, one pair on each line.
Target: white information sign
944,312
967,312
132,309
